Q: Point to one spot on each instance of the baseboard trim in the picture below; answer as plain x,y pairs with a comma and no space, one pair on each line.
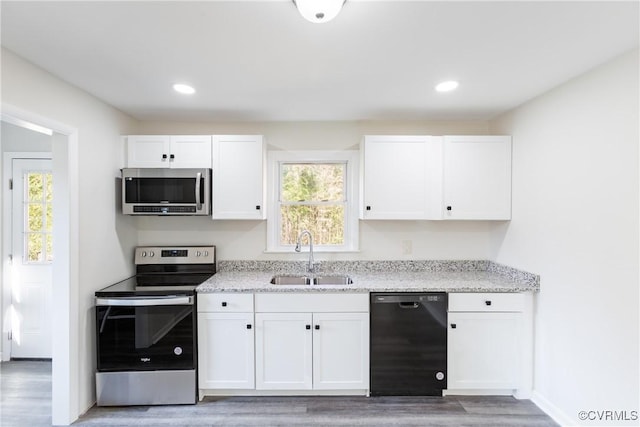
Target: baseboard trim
552,410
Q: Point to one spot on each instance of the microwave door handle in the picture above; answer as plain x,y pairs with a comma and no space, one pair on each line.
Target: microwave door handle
198,201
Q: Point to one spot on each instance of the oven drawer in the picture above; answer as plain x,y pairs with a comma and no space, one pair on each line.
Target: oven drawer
501,302
225,302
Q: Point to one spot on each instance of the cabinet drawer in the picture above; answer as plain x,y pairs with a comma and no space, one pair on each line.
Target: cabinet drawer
225,303
311,302
505,302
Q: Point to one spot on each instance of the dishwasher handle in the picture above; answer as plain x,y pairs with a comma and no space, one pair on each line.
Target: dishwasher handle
409,305
408,300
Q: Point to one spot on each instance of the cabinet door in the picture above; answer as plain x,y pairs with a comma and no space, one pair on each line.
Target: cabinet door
190,151
238,177
484,350
340,351
401,177
283,351
148,151
477,177
226,351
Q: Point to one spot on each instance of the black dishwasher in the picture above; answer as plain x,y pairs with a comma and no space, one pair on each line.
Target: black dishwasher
408,344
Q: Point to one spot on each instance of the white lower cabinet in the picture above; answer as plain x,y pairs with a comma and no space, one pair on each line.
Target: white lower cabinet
484,350
226,341
489,343
319,350
284,351
340,351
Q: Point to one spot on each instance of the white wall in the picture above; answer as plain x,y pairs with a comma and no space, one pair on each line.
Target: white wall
17,139
106,238
378,239
575,222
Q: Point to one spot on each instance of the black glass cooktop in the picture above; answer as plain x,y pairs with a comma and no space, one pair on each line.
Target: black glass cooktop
138,286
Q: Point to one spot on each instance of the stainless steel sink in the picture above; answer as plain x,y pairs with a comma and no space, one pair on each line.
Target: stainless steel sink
291,280
332,280
306,280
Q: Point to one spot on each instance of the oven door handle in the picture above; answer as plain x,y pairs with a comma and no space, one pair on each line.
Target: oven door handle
198,201
146,301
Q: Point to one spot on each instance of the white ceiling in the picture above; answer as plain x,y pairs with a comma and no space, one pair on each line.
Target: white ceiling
259,60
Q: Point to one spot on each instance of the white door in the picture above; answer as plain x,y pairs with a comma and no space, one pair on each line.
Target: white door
484,350
283,351
226,351
148,151
477,177
340,351
238,177
32,255
401,177
190,151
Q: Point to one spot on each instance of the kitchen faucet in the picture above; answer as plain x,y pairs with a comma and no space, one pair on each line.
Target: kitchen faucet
299,243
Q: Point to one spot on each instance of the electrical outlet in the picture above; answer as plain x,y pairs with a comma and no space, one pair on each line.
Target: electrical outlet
407,247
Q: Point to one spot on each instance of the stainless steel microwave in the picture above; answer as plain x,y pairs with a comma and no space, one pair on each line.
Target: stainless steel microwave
166,191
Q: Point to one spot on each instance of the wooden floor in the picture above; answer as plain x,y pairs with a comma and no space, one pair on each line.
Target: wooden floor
26,401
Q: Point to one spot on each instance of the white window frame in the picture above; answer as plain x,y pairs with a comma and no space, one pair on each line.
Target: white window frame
351,224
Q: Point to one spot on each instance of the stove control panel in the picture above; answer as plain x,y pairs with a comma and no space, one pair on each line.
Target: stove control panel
175,255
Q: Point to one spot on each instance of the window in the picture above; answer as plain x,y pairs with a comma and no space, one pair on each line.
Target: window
313,191
38,224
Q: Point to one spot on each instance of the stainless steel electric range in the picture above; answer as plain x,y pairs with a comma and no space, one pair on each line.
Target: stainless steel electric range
146,328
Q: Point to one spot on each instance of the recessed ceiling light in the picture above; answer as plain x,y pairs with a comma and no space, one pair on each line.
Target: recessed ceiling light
447,86
184,89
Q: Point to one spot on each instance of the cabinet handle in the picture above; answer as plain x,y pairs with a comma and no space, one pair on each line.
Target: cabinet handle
368,208
257,207
224,304
487,302
164,157
448,208
307,327
453,326
317,327
248,326
172,156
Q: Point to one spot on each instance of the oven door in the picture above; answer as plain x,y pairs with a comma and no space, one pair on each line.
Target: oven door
146,333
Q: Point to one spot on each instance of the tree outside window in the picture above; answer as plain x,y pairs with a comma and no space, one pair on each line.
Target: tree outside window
312,197
38,210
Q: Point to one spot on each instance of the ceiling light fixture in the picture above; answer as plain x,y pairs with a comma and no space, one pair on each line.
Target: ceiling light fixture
447,86
183,89
319,11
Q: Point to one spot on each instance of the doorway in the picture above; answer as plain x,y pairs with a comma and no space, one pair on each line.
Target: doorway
64,312
31,258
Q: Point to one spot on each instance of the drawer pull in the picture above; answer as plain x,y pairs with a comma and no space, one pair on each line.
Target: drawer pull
317,327
307,327
488,302
453,326
248,326
224,303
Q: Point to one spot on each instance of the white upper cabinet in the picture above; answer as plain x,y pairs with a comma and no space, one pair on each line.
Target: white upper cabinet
238,177
401,177
164,151
477,177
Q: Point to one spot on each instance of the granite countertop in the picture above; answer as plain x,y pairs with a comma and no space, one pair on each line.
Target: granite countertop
374,276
